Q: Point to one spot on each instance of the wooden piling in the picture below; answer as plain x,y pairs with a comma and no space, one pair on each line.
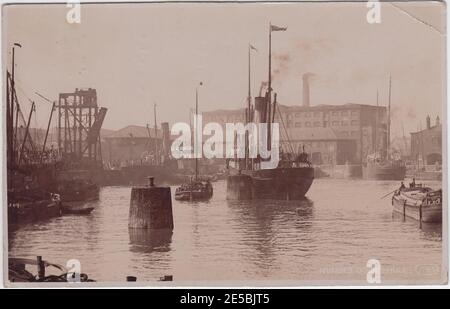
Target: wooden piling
420,213
404,210
40,268
151,207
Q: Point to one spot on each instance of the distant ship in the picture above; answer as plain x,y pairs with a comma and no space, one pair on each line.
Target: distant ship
384,170
293,176
384,166
196,189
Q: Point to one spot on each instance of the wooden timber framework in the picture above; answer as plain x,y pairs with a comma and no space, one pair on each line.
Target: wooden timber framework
79,123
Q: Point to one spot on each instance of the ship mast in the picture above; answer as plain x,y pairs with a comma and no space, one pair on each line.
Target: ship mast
156,136
196,130
248,114
196,124
269,90
376,128
12,102
389,121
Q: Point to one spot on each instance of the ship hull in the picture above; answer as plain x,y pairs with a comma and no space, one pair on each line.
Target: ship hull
277,184
384,172
429,213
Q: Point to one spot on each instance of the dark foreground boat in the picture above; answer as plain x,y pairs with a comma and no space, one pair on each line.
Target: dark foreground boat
32,206
197,190
19,270
421,203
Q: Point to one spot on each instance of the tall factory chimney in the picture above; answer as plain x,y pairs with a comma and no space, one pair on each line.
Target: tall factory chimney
306,89
428,122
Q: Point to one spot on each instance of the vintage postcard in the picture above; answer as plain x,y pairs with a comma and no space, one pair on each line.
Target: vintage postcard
224,144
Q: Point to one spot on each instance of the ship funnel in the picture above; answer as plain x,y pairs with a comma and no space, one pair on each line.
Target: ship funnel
165,139
260,109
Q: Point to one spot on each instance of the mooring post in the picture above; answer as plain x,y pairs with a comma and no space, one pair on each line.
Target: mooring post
420,213
151,207
40,268
404,210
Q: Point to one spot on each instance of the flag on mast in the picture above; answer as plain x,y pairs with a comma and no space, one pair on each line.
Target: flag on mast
276,28
252,47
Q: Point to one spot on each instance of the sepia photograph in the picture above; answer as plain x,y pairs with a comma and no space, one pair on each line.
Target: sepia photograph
224,144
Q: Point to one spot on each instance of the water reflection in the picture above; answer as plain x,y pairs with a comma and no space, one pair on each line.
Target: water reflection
149,240
271,230
431,231
344,223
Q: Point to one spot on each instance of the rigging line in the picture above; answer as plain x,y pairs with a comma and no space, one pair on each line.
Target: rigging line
284,127
16,100
17,83
416,18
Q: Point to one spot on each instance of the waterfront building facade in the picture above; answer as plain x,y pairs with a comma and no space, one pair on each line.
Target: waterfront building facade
331,134
426,144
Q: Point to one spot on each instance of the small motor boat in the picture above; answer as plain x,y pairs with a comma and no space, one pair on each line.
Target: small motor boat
421,203
196,190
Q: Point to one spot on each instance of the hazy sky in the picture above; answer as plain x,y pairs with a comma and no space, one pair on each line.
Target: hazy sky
138,54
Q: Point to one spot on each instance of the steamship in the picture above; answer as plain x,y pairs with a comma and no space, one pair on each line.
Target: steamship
246,180
290,180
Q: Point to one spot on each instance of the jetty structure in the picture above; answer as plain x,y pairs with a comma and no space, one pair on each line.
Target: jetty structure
293,176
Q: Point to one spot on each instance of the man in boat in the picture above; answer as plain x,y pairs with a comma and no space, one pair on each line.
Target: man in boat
413,183
402,186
